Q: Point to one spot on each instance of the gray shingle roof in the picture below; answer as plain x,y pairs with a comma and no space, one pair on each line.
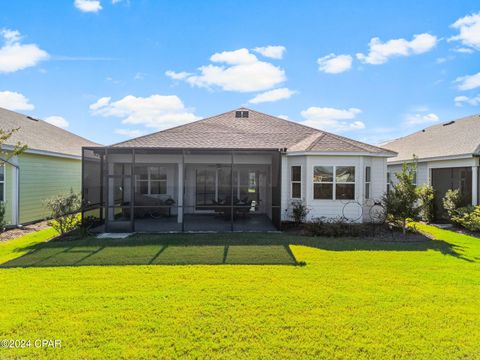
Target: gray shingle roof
40,135
461,137
258,131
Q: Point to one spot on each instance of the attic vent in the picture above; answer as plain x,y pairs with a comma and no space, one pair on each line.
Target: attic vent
32,118
241,114
449,123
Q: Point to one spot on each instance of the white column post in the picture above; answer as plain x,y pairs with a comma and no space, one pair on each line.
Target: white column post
180,193
474,185
285,193
15,189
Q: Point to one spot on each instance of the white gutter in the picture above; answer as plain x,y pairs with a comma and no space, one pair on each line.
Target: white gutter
338,153
433,158
45,152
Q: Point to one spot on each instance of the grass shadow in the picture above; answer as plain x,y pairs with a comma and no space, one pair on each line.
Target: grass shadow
209,249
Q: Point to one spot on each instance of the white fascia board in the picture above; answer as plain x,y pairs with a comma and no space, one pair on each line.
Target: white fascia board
433,158
324,153
45,152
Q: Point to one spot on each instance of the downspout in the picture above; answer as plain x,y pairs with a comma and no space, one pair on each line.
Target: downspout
477,167
17,168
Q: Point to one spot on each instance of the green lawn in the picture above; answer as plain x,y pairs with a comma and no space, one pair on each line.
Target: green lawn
243,296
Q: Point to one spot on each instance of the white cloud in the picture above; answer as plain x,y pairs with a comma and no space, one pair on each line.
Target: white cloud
474,101
103,101
177,75
88,5
57,121
380,53
272,95
274,52
463,50
14,101
469,31
331,119
468,82
334,64
131,133
239,71
16,56
285,117
419,119
155,111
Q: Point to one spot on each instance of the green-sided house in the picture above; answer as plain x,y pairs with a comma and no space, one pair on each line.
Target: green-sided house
50,166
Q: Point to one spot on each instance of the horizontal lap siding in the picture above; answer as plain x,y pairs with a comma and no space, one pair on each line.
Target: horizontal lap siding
42,177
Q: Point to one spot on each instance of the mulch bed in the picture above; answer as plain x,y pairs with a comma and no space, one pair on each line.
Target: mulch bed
18,232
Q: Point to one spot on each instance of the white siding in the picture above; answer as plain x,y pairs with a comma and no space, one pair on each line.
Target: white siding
336,208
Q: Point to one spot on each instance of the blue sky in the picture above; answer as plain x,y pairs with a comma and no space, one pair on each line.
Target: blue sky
371,70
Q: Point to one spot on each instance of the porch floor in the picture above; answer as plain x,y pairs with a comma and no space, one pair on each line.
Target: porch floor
201,222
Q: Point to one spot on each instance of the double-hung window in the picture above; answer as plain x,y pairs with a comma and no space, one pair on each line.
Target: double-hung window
151,180
368,180
334,182
296,180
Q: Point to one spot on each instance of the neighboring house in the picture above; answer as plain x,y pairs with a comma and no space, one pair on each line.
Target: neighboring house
237,171
448,157
50,166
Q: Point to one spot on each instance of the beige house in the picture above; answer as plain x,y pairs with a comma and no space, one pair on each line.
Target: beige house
448,158
237,171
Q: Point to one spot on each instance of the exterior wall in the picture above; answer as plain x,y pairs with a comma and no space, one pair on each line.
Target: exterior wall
424,167
42,177
335,208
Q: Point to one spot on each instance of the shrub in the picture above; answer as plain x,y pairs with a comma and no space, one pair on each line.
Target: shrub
426,195
468,217
452,201
401,201
335,228
64,212
3,221
299,212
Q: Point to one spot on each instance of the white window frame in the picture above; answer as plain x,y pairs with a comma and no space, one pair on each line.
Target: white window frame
149,180
295,181
334,182
368,183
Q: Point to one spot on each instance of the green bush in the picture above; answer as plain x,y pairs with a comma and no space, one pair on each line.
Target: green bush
3,221
468,217
401,201
426,195
452,201
335,228
299,212
64,212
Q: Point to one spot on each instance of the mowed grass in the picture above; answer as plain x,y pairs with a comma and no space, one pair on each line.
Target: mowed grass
244,296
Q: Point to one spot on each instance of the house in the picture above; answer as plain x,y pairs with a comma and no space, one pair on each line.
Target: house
448,158
237,171
50,166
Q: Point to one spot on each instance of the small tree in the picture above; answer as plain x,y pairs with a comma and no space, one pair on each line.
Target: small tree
64,211
5,156
452,201
426,195
401,201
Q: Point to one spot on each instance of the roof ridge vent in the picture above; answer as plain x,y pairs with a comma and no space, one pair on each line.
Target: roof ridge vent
31,118
449,123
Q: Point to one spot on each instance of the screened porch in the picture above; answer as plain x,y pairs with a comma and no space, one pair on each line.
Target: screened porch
159,190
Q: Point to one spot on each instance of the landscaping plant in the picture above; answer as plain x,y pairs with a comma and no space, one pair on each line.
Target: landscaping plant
426,195
299,212
452,201
2,217
64,211
401,201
